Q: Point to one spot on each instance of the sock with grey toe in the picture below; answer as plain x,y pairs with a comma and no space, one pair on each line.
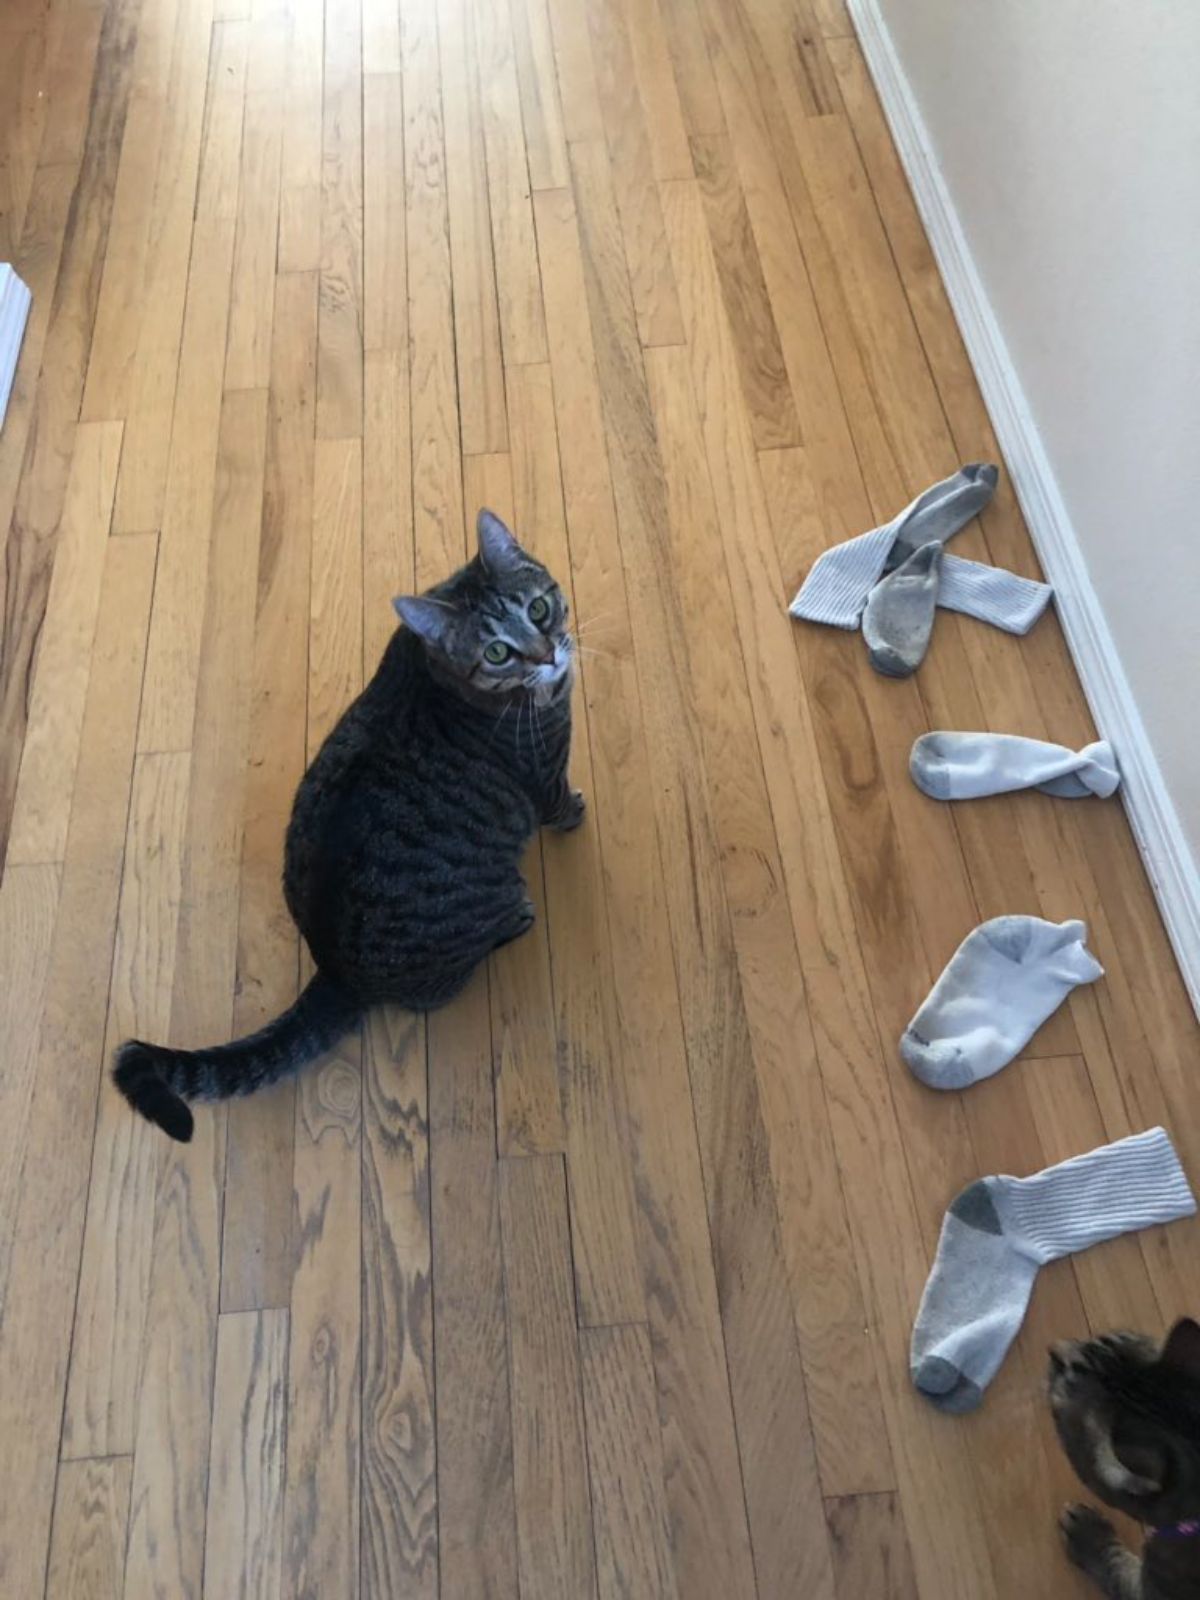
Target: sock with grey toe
1001,984
836,589
964,766
1000,1230
900,610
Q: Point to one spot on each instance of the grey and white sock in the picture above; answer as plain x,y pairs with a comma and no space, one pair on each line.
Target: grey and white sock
836,589
1000,1230
964,766
1004,980
900,610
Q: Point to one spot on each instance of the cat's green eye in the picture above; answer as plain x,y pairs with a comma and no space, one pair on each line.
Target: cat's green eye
539,609
497,652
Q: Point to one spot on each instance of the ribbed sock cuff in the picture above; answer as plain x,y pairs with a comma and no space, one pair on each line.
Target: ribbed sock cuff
1137,1182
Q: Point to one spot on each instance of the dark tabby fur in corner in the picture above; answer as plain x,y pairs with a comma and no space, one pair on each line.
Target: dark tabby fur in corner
402,864
1128,1415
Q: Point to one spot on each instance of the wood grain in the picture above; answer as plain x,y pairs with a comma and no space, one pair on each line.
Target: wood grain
550,1472
629,1509
87,1547
599,1282
244,1548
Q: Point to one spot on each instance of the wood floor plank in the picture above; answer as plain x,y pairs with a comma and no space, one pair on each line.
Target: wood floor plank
576,70
518,284
168,704
91,1513
453,183
28,912
629,1508
436,469
870,1548
553,1503
700,100
850,1437
786,1521
399,1469
702,1465
385,264
256,1251
633,177
171,1454
252,293
42,806
244,1548
35,1328
340,337
658,91
756,338
155,298
100,1415
324,1452
541,107
476,1498
301,159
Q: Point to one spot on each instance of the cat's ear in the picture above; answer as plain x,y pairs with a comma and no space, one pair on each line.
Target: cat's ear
498,549
429,619
1181,1351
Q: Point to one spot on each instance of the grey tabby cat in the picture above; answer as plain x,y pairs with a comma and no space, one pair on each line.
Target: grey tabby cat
1128,1415
402,863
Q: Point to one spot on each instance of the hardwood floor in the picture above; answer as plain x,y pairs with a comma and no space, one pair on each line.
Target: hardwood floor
599,1283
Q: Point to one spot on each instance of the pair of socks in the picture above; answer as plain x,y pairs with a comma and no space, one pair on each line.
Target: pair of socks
891,578
1000,1230
964,766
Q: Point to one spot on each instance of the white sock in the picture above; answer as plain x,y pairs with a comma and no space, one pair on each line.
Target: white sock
992,594
1001,984
836,589
963,766
999,1231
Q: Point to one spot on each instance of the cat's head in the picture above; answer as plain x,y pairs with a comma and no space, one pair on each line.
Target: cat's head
498,627
1128,1414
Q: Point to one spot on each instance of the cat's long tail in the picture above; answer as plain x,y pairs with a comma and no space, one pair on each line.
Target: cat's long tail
156,1081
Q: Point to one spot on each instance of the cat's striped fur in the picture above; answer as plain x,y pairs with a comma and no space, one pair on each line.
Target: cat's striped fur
402,863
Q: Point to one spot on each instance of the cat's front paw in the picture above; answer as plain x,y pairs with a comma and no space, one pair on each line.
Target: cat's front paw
570,815
1089,1537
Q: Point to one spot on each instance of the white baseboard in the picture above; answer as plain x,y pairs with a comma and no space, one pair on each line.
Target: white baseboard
1173,870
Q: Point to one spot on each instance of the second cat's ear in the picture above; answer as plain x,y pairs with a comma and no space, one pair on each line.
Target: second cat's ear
498,548
1182,1349
429,619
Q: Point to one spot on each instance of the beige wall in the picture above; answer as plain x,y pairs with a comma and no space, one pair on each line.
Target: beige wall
1068,134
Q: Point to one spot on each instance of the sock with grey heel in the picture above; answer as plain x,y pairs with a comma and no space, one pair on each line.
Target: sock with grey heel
1000,1230
899,616
964,766
836,589
1005,979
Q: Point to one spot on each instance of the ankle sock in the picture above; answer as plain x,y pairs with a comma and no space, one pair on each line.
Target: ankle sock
1001,984
964,766
1000,1230
899,616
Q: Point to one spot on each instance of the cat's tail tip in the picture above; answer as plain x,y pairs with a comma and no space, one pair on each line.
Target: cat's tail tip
136,1074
